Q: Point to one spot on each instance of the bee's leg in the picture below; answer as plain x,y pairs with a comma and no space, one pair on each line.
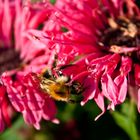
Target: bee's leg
76,88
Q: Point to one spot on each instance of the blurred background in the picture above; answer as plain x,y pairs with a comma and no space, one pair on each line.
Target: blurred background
77,123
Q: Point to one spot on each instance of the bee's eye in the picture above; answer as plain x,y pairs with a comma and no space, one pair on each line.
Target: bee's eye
46,75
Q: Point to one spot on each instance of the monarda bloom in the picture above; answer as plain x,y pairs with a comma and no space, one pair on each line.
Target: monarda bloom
98,44
20,59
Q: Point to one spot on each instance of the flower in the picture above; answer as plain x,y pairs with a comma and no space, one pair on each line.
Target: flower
98,45
26,97
21,60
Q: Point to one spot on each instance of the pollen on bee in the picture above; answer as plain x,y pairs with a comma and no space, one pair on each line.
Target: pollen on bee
62,79
115,48
112,23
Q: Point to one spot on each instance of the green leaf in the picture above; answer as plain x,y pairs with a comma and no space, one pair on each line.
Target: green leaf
52,1
126,124
129,110
126,119
13,133
66,111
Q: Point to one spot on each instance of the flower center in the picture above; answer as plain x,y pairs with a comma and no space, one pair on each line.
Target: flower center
9,59
121,36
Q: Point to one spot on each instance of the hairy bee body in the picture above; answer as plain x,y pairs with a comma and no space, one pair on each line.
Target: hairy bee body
57,89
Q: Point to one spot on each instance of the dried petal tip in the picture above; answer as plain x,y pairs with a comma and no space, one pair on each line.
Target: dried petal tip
56,121
82,103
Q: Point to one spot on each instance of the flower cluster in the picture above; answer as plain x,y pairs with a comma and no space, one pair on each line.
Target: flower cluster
20,58
94,43
98,46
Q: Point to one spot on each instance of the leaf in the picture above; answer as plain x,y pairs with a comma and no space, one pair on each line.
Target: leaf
52,1
126,119
66,111
13,132
129,109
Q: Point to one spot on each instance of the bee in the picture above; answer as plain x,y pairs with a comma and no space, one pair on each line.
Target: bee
59,88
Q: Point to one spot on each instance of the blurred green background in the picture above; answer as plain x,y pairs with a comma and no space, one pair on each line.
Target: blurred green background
77,123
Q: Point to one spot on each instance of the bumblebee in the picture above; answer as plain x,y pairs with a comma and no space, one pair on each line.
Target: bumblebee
59,88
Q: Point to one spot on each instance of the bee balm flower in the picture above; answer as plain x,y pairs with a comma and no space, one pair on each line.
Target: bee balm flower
19,59
99,48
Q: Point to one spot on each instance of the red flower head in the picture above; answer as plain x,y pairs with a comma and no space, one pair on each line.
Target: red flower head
20,59
98,45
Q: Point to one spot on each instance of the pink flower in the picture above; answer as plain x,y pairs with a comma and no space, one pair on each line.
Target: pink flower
21,60
5,110
99,47
26,97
